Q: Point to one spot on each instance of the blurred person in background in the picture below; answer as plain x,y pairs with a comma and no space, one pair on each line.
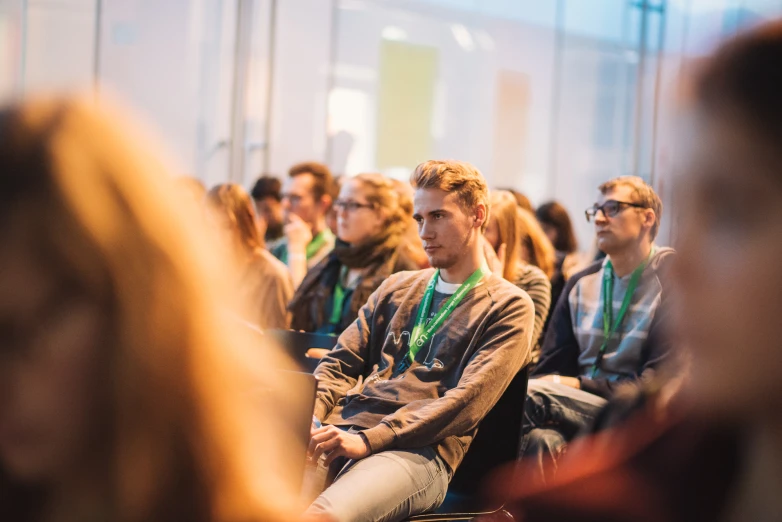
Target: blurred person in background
503,234
521,200
371,225
555,221
262,281
413,247
717,454
536,249
123,384
609,326
193,186
331,215
267,198
306,199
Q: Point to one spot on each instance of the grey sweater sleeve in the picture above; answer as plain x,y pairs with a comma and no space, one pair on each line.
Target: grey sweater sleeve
501,351
340,370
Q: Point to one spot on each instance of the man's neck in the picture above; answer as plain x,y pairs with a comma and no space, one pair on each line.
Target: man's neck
318,227
628,260
468,263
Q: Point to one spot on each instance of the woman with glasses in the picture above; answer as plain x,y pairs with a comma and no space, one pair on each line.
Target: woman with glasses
262,281
371,225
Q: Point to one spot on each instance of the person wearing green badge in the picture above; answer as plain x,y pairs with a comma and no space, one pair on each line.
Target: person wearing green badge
401,395
372,218
305,201
608,326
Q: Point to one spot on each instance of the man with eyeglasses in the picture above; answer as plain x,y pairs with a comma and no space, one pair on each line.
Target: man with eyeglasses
306,198
607,326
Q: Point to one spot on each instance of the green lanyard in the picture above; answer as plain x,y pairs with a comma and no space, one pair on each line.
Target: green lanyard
311,249
423,329
608,305
338,299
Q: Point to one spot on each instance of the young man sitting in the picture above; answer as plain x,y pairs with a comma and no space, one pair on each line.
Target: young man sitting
403,392
607,326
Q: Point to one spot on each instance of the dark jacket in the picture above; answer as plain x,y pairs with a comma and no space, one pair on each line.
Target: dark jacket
563,351
683,468
311,305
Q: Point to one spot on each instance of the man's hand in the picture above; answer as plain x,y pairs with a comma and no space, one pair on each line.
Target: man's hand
335,442
299,234
573,382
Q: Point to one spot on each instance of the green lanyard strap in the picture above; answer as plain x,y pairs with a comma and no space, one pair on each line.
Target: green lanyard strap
312,248
423,330
338,299
608,305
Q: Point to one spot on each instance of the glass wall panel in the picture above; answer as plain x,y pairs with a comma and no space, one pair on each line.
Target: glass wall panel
11,48
488,101
60,45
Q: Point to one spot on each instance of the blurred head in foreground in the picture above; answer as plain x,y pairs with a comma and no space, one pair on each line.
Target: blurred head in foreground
123,385
731,225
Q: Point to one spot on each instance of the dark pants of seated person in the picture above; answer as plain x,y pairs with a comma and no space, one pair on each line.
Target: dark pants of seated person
553,416
387,486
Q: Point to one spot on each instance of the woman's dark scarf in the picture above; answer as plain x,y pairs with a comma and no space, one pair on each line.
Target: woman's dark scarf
379,256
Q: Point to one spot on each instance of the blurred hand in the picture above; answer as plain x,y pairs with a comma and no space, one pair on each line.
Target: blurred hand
335,442
495,260
298,232
573,382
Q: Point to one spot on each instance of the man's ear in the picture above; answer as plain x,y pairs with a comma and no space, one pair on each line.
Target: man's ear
480,215
649,218
325,203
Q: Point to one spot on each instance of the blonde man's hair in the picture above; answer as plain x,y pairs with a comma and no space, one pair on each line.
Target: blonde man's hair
643,194
454,176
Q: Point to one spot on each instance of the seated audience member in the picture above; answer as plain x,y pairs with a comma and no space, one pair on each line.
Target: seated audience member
503,234
267,198
124,385
718,456
371,225
404,390
306,198
263,282
554,219
607,327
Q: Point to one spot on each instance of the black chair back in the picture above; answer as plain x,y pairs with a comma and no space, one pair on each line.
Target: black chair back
297,344
497,440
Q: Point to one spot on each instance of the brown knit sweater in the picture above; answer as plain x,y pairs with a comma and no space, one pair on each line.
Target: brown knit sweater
456,379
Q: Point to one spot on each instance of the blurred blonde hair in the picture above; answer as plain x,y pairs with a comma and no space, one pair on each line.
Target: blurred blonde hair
187,437
232,200
504,211
535,244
